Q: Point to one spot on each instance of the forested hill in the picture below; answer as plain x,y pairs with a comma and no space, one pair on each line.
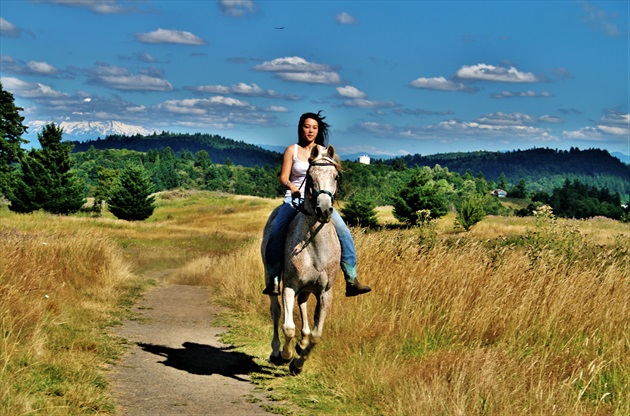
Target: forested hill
533,165
219,148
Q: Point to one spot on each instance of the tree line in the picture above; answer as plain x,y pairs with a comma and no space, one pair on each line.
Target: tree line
58,180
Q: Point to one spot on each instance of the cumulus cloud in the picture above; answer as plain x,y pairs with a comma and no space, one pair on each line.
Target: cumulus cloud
237,8
25,89
363,103
170,36
345,18
41,68
243,89
122,79
8,29
297,69
351,92
612,127
439,84
36,68
484,72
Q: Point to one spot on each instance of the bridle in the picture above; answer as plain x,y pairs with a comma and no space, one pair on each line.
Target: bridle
309,191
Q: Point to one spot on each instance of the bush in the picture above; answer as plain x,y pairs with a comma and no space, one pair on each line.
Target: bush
129,198
359,211
470,212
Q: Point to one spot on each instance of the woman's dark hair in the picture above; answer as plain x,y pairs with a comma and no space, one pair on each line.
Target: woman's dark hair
322,127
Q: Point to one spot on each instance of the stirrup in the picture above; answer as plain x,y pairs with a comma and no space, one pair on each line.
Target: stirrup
272,289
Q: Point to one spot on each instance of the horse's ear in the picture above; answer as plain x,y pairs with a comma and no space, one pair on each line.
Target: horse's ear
331,151
314,153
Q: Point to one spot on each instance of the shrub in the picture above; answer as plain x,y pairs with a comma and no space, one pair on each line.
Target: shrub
129,198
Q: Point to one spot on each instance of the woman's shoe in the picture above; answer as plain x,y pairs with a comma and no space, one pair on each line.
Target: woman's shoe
354,288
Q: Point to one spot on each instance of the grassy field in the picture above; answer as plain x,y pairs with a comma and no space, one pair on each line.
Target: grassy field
517,316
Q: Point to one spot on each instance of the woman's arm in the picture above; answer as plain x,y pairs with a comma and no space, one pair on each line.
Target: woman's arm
285,172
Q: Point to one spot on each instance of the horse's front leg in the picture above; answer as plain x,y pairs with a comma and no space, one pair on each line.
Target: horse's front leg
288,298
324,302
275,357
306,330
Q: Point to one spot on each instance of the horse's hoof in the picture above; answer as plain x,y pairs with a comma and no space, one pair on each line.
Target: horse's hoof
278,360
294,370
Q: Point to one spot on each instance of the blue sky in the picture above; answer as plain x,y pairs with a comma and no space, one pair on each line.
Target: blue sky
392,77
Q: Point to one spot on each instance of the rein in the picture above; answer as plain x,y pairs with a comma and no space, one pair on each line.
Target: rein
299,205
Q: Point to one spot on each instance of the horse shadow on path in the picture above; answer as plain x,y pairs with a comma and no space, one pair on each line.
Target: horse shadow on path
203,359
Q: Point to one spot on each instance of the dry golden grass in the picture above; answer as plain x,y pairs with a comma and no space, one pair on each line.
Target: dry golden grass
58,288
515,317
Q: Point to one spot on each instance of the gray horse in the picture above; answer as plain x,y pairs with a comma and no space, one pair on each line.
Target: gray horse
312,258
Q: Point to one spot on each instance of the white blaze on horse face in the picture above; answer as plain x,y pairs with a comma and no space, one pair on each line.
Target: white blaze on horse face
325,188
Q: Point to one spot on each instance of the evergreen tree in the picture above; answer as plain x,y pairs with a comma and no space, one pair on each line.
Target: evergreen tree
359,211
11,130
46,179
130,199
422,193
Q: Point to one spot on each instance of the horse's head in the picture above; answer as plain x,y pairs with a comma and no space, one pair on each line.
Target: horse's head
321,182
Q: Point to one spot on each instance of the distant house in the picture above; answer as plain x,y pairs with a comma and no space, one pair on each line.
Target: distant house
365,159
499,193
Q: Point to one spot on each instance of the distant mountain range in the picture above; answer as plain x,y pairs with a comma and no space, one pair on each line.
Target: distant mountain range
90,130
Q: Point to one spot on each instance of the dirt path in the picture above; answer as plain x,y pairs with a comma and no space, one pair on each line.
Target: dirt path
176,365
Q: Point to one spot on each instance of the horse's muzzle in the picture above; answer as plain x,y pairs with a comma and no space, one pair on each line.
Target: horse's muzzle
324,209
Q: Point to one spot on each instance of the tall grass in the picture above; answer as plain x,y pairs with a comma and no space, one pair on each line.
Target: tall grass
531,320
58,288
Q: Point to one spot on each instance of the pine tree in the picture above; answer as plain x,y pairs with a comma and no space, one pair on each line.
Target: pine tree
360,211
11,130
46,180
130,198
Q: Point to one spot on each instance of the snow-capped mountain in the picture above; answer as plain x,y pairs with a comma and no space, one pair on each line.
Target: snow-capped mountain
91,130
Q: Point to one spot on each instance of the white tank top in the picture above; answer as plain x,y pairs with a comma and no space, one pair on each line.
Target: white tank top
298,171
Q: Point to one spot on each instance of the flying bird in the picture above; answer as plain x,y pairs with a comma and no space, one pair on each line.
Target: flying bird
279,27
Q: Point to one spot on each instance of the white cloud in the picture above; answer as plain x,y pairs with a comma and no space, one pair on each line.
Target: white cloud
291,64
243,89
8,29
237,8
42,68
528,93
438,83
484,72
613,126
29,89
96,6
351,92
363,103
121,79
345,18
297,69
170,36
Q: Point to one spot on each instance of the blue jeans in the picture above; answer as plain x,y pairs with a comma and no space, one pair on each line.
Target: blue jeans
274,252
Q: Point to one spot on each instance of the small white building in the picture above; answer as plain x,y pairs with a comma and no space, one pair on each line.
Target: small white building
365,159
499,193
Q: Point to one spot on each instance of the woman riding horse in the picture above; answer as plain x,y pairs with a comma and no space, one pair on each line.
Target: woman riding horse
312,131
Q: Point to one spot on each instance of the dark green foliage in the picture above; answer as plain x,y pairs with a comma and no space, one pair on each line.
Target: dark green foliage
543,169
422,193
470,211
578,200
359,211
130,198
220,148
11,130
46,179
